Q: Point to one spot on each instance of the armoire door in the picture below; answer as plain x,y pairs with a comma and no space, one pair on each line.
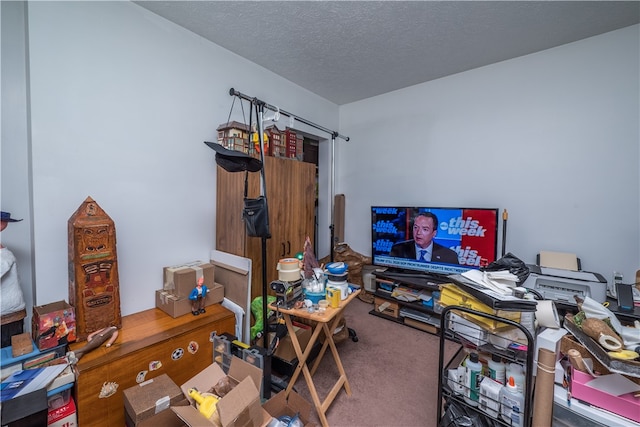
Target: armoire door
291,193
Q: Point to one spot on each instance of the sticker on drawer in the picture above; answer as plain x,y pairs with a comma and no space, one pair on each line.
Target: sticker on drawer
177,353
108,389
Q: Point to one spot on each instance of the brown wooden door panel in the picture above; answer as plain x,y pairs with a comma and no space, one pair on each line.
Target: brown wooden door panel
291,198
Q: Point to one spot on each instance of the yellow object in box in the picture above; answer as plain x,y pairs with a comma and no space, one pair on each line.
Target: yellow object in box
453,295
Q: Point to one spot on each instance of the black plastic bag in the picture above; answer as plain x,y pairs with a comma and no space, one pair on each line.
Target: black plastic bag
256,217
458,415
512,263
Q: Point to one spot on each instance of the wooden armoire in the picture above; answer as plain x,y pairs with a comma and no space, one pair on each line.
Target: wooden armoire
291,195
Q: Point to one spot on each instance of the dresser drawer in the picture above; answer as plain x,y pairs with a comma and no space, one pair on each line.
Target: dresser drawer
150,341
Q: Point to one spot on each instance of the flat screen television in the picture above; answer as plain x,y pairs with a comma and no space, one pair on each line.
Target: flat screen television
459,239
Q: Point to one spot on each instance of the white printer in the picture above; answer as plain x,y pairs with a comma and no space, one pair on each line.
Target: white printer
561,285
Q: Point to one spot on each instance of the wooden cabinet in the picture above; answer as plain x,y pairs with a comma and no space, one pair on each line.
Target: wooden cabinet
291,195
179,347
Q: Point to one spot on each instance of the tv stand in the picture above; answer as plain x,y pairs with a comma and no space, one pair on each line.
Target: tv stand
420,279
419,313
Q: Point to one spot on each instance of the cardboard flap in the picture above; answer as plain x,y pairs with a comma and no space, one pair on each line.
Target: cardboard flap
203,381
164,419
239,370
189,415
280,405
241,405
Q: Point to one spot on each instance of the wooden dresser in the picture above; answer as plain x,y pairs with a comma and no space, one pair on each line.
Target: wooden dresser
179,347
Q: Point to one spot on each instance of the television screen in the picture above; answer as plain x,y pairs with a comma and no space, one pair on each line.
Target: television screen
433,240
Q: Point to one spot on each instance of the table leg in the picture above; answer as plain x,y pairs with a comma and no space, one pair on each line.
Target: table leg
336,357
325,344
300,354
321,406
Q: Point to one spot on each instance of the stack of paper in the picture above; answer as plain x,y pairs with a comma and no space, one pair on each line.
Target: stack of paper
409,295
501,282
491,297
24,382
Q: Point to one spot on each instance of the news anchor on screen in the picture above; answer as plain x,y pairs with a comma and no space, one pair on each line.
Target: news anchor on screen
422,247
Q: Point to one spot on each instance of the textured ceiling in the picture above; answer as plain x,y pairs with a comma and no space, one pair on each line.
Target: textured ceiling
346,51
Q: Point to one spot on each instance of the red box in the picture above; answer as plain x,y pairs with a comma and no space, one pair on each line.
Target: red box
53,325
64,416
624,405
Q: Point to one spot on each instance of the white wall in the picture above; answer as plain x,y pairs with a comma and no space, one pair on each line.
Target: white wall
121,102
15,152
552,137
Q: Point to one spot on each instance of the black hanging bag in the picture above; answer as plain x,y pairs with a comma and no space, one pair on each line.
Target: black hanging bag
255,214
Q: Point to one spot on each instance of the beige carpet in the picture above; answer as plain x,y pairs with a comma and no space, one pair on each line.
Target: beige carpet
392,370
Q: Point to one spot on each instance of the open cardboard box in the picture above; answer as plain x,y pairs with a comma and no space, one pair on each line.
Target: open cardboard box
280,405
284,359
285,350
240,407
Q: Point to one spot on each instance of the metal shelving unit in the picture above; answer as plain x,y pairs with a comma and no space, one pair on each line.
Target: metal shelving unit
509,352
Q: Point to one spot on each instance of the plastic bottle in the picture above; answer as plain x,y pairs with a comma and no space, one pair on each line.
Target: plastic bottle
516,371
472,379
511,404
497,369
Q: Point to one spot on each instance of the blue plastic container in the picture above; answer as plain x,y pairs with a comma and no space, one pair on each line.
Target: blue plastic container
314,296
337,267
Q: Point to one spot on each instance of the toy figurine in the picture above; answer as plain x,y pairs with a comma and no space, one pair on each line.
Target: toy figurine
12,304
256,308
94,340
197,297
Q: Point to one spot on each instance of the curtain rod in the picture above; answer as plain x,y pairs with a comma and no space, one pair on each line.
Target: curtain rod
333,133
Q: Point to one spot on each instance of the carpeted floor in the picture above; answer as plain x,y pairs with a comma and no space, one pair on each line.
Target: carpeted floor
392,370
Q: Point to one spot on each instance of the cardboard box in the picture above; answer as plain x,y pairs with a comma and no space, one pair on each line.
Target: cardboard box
549,339
64,416
624,405
568,342
59,397
285,350
53,324
284,359
166,418
279,405
150,397
21,344
180,279
240,407
176,306
389,308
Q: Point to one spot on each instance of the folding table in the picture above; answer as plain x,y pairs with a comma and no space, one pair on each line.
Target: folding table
326,322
